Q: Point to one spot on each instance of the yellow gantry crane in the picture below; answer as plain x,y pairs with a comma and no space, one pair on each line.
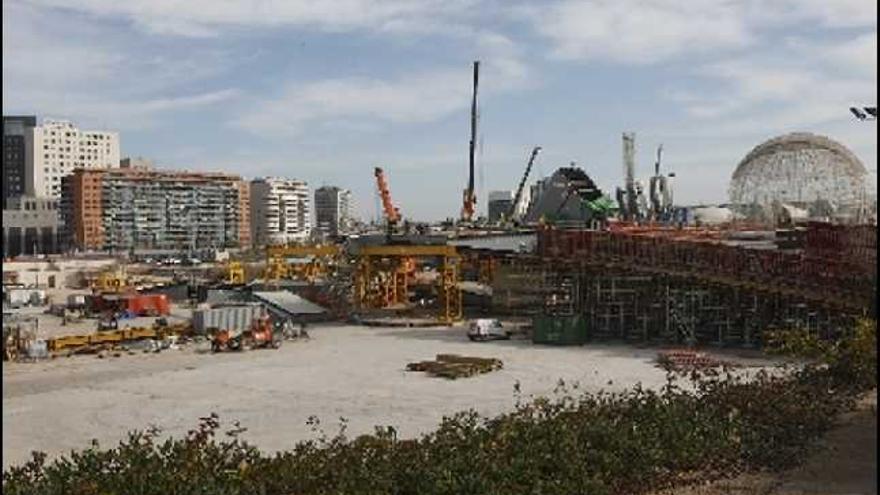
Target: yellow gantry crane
383,272
235,274
316,262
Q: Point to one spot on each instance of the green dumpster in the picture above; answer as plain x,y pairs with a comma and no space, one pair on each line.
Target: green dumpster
559,330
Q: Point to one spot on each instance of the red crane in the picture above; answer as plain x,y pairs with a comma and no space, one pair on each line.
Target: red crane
392,213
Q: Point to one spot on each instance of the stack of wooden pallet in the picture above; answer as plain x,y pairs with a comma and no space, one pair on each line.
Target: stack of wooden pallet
453,366
686,359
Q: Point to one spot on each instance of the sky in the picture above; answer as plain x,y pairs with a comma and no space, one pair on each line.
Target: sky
326,90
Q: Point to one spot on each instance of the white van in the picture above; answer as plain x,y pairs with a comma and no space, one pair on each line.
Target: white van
483,329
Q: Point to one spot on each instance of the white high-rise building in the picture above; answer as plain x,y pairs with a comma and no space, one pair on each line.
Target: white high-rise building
280,211
333,210
56,148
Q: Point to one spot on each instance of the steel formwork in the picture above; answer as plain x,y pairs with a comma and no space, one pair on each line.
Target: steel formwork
658,285
846,280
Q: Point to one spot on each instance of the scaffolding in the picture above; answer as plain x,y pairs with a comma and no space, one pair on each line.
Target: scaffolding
664,286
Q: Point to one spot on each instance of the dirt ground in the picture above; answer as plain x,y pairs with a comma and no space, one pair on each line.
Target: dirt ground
845,463
343,371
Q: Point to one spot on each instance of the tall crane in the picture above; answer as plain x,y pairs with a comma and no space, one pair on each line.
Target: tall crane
522,184
470,198
392,213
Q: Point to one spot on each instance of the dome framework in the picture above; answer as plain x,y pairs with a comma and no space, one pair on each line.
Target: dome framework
800,169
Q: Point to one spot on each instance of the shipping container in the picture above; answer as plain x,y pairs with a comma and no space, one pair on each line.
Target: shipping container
559,330
148,305
235,318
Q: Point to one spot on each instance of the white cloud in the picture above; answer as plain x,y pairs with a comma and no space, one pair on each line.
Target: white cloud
857,55
638,31
201,18
117,114
359,104
802,83
652,31
830,14
412,99
59,65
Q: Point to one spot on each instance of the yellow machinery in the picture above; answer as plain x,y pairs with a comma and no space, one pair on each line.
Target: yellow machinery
235,273
317,261
111,281
383,274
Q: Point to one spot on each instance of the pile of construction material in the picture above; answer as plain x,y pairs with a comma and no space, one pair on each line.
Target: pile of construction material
453,366
687,359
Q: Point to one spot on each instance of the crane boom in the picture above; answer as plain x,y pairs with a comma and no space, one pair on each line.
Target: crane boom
392,213
470,199
522,183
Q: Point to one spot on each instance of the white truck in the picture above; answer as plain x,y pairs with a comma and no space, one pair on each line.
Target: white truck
483,329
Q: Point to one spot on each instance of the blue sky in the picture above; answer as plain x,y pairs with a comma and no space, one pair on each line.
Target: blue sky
326,90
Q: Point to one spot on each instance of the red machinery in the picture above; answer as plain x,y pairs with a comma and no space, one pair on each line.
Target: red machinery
392,213
259,336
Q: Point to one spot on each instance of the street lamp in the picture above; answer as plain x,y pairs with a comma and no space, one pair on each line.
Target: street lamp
864,113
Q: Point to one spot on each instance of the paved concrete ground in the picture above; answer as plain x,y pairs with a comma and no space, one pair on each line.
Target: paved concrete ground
343,371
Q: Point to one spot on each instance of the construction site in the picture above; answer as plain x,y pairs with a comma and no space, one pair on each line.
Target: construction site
570,283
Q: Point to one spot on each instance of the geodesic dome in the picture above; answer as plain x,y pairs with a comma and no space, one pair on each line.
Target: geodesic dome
799,169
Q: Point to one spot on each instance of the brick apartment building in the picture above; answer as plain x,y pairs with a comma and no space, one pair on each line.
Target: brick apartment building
141,208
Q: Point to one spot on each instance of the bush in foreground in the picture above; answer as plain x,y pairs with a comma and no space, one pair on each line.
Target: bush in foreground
574,442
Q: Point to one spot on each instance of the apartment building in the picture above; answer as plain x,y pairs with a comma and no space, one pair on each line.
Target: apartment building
15,154
280,211
333,210
57,148
141,208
